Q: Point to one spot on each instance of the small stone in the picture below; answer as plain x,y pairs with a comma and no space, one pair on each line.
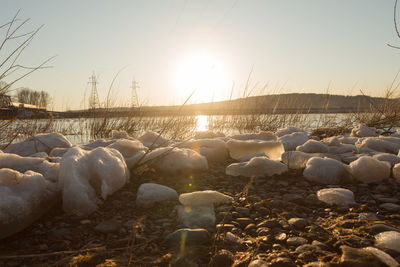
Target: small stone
223,258
258,263
188,237
108,226
244,221
243,211
263,231
281,237
83,222
379,228
282,262
269,223
358,257
250,227
297,223
225,227
296,241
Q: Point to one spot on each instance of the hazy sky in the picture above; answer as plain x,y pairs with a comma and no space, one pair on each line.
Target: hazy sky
174,46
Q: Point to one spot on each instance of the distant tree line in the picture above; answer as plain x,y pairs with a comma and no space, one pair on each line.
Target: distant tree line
38,98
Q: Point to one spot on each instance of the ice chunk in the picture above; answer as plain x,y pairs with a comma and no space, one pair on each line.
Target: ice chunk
287,130
342,148
265,136
152,138
239,149
351,140
204,198
312,146
248,158
363,131
98,143
208,135
38,143
381,144
332,141
84,174
212,149
392,159
296,159
293,140
148,194
326,171
127,147
115,134
39,155
369,170
388,240
336,196
256,167
382,256
22,164
199,216
58,152
23,199
168,159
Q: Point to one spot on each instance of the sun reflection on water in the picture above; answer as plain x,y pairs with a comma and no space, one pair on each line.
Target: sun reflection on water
202,123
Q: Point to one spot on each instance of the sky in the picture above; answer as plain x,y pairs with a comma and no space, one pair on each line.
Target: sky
174,47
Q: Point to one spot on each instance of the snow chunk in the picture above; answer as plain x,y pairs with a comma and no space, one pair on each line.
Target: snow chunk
168,159
287,130
98,143
392,159
326,171
212,149
204,198
239,149
23,199
369,170
293,140
363,131
312,146
127,147
256,167
331,141
336,196
38,143
148,194
388,240
150,137
115,134
58,152
83,174
208,135
296,159
22,164
265,136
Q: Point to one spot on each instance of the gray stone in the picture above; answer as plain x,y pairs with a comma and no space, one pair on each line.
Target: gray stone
379,228
282,262
258,263
244,221
390,207
223,258
358,257
296,241
188,236
243,211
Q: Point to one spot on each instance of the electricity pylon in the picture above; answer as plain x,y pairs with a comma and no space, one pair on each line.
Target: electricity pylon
134,99
94,96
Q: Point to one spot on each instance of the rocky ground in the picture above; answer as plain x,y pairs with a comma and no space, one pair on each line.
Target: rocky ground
276,221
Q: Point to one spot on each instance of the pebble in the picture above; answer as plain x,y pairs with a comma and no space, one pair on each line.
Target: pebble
280,237
297,223
244,221
296,241
258,263
269,223
108,226
223,258
243,211
390,207
379,228
358,257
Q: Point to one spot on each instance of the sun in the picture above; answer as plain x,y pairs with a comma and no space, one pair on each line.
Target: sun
203,73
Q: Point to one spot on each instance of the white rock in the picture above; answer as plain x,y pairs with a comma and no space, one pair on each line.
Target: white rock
391,158
287,130
150,138
84,174
363,131
336,196
168,159
326,171
127,147
388,240
212,149
207,135
256,167
265,136
312,146
369,170
205,197
396,171
239,149
22,164
293,140
382,256
23,199
199,216
148,194
38,143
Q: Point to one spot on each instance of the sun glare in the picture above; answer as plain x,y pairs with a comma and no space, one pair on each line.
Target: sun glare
202,73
